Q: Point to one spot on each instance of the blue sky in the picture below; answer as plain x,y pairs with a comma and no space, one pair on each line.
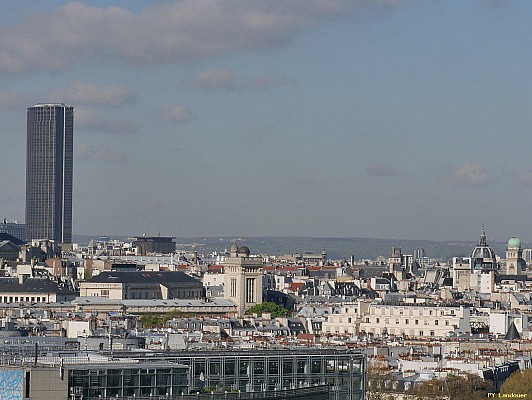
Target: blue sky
387,119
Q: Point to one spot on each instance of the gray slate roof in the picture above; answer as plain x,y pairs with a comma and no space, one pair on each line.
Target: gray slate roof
163,277
31,285
12,239
512,333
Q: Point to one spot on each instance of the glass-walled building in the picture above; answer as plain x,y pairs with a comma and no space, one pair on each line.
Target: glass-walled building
306,374
126,380
14,229
274,370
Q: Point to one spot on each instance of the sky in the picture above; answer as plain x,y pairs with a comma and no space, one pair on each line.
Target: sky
338,118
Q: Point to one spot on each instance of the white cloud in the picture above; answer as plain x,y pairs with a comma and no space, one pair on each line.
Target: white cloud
381,170
178,114
471,174
91,120
80,92
10,99
219,78
177,31
86,151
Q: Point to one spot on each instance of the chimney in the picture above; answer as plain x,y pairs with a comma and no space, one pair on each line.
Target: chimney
22,278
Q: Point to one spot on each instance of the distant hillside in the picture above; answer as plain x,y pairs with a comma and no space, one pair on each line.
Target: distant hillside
337,248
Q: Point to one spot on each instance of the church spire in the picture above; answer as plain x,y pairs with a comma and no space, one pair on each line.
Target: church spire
482,237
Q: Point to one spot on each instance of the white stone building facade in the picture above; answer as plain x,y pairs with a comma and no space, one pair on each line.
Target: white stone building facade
416,320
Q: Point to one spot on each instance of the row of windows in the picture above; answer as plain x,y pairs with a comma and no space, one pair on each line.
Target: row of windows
403,332
407,321
272,365
275,372
143,295
411,311
21,299
128,382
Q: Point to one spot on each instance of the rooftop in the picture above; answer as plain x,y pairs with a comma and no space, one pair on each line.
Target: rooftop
49,105
163,277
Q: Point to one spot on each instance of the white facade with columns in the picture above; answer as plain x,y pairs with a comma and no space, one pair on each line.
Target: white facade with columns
416,320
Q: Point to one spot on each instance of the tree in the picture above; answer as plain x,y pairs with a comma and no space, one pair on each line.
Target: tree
463,387
269,307
520,382
378,381
433,389
152,320
468,387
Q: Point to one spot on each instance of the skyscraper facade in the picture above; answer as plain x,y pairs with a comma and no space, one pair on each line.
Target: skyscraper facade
49,168
13,228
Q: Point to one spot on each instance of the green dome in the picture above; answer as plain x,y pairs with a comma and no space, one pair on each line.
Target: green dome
514,242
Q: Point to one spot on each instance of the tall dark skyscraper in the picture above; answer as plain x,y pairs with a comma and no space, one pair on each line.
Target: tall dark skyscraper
49,162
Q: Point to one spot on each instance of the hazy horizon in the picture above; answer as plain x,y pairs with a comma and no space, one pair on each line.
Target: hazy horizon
244,237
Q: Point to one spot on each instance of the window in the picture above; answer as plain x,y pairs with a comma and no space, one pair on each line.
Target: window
406,321
416,322
436,322
250,290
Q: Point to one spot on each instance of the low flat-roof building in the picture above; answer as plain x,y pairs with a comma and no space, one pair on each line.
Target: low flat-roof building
94,381
186,306
144,285
145,245
310,374
244,371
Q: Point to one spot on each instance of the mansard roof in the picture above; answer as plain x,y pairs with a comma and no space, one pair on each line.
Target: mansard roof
31,285
159,277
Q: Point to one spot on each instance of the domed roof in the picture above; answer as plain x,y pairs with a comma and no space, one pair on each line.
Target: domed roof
483,250
244,250
234,248
514,242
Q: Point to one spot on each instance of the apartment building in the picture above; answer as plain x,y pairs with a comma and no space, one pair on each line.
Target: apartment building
416,320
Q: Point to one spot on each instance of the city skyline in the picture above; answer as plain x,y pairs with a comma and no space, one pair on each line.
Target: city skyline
385,119
49,171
